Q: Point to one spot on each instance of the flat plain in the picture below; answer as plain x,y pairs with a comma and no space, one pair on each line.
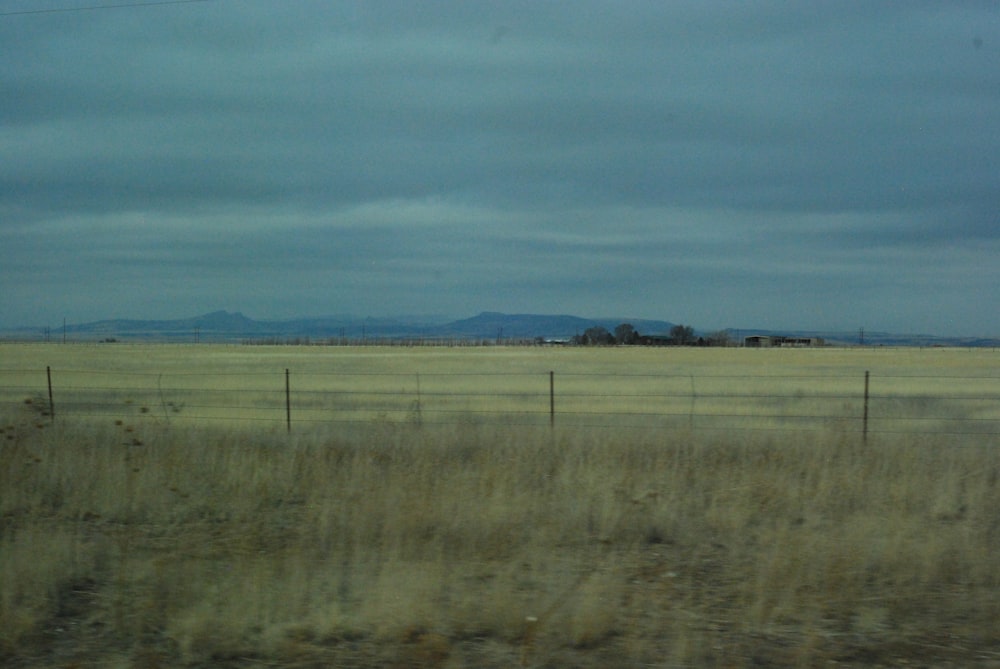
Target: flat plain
683,507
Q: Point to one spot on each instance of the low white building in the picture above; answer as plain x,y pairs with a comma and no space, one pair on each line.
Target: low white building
772,341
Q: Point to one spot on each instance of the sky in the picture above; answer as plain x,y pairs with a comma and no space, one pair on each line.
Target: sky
827,165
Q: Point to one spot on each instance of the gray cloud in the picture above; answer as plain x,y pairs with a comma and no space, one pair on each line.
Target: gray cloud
829,165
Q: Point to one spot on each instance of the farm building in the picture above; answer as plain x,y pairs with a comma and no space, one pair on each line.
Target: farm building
771,341
802,341
759,341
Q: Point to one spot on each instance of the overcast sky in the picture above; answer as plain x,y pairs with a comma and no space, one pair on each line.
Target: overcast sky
769,164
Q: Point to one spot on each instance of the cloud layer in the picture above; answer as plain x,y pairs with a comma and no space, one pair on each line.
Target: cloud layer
823,165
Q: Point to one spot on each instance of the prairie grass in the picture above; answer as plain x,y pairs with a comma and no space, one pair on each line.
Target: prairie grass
940,391
138,542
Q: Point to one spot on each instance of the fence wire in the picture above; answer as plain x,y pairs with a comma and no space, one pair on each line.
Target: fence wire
963,406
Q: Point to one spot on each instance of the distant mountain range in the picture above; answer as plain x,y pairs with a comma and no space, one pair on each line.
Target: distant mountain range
227,326
224,326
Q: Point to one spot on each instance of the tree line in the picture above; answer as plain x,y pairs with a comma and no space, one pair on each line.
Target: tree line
625,334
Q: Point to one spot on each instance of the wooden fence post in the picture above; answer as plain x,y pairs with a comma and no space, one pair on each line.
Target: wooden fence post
288,402
864,428
552,399
52,407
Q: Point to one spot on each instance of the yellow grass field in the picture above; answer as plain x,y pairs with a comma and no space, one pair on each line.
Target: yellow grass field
689,507
930,390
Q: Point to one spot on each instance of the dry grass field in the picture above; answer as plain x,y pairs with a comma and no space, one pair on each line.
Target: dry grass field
417,536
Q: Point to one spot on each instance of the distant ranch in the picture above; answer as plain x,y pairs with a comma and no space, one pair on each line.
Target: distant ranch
766,341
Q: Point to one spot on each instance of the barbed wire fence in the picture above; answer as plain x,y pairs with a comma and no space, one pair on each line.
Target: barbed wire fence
959,406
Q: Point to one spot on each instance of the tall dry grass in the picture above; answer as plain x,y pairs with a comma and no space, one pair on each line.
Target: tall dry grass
138,543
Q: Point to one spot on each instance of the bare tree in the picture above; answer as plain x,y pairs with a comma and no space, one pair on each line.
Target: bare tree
597,336
682,334
626,334
720,338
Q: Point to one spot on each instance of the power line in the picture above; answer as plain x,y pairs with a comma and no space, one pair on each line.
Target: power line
96,7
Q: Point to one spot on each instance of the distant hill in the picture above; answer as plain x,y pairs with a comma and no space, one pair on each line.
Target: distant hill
490,324
217,321
227,326
224,326
854,338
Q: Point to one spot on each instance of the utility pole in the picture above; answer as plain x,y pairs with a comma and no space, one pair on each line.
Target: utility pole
861,337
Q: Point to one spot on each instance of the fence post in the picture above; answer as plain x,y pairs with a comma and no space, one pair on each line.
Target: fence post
694,396
864,428
52,407
552,399
288,402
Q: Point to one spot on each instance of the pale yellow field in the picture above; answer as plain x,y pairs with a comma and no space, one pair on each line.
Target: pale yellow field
463,531
911,390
